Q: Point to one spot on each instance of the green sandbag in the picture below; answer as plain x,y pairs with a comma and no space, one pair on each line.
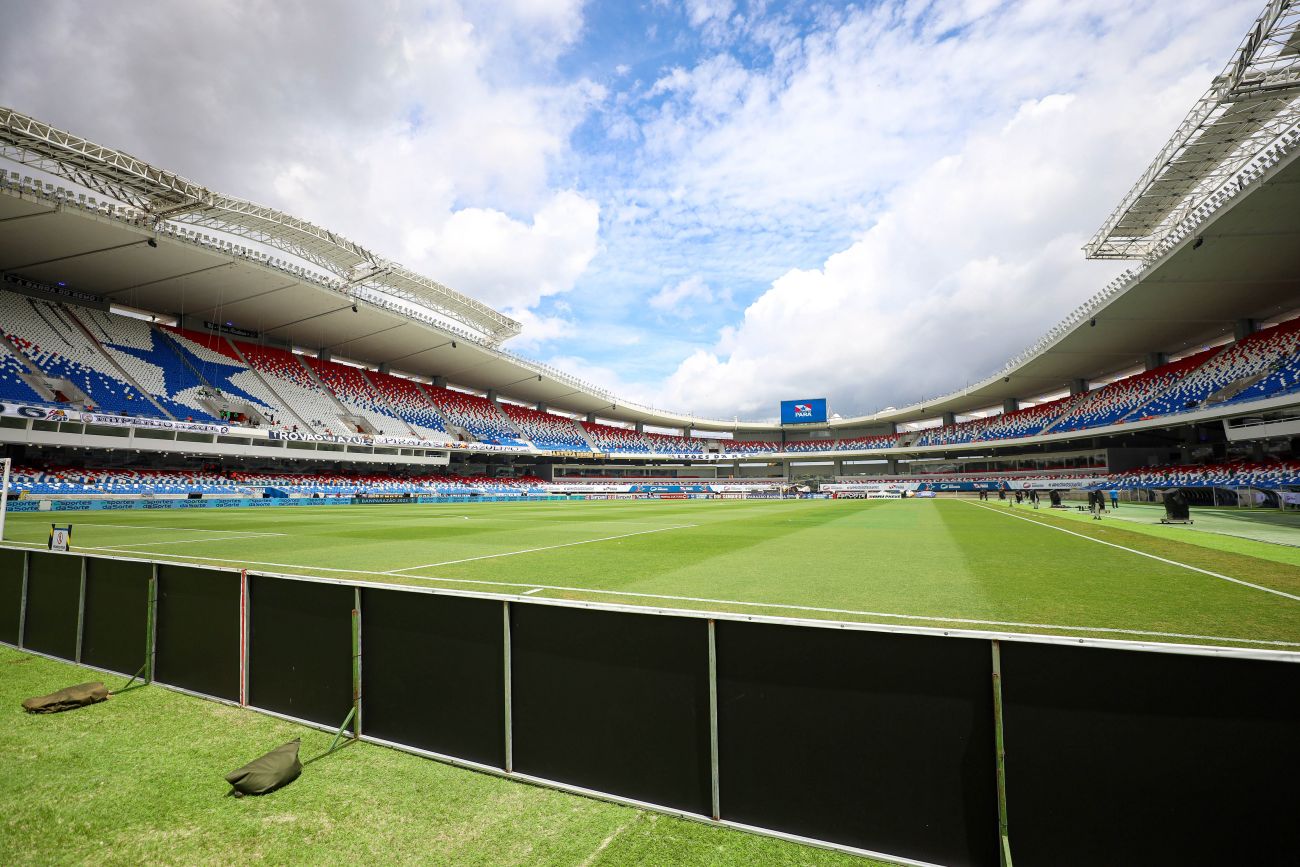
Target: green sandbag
279,767
66,699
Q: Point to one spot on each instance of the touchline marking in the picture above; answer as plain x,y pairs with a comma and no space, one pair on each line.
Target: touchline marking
629,594
204,539
177,529
534,590
1139,553
533,550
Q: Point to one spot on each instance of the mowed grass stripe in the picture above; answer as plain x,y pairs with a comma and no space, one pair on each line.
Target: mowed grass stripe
1138,553
939,560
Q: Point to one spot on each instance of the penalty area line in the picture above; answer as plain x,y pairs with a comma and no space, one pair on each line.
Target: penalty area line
1188,566
534,550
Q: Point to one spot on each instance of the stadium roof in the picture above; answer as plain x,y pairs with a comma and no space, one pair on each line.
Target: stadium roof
1248,109
164,196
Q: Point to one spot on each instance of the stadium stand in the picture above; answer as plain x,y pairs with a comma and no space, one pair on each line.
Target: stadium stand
1236,474
1111,403
219,364
285,374
351,388
149,359
75,481
746,447
478,416
1233,373
12,385
411,404
546,430
616,439
55,344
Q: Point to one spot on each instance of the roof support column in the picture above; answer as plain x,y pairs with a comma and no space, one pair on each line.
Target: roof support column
1011,404
541,407
1154,360
1078,387
439,382
949,419
1243,328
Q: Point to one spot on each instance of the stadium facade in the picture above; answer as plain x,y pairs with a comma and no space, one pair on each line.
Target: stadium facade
144,314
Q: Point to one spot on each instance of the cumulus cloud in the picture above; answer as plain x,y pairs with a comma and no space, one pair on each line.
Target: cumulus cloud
970,207
428,132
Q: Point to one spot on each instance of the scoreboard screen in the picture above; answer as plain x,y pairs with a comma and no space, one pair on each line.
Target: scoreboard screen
812,411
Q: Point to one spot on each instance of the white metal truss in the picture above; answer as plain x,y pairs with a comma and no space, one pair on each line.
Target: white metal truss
1246,111
169,198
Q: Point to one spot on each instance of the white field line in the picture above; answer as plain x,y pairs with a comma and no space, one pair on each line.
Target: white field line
177,529
534,550
1139,553
534,590
730,602
204,539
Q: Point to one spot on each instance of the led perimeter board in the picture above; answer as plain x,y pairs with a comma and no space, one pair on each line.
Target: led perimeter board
811,411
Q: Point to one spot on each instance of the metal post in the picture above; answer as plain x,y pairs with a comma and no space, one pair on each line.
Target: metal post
510,744
151,639
4,494
22,600
243,637
1004,840
81,611
713,717
356,661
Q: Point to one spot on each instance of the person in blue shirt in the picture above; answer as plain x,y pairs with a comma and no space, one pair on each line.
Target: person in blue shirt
1114,498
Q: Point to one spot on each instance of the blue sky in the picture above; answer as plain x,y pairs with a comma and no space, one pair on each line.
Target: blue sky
706,205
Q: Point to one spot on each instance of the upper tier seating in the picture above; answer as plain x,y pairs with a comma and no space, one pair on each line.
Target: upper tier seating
286,375
1265,352
12,386
1021,423
149,359
547,431
1111,403
475,414
671,443
613,440
354,391
55,343
411,403
747,447
226,372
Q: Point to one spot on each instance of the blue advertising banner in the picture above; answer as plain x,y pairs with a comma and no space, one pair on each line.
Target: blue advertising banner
812,411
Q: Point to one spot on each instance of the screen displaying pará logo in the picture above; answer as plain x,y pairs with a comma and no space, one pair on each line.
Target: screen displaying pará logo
808,411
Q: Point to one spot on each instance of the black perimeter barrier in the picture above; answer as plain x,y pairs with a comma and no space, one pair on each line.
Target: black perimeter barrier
881,741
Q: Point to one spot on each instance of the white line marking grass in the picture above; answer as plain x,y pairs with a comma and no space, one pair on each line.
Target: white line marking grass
175,529
534,550
998,511
534,590
728,602
204,539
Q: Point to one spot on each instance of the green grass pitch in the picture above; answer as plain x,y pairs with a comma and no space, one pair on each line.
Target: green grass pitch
138,778
940,563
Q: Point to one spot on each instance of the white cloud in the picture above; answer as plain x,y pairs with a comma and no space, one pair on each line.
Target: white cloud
967,261
508,263
681,298
430,132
